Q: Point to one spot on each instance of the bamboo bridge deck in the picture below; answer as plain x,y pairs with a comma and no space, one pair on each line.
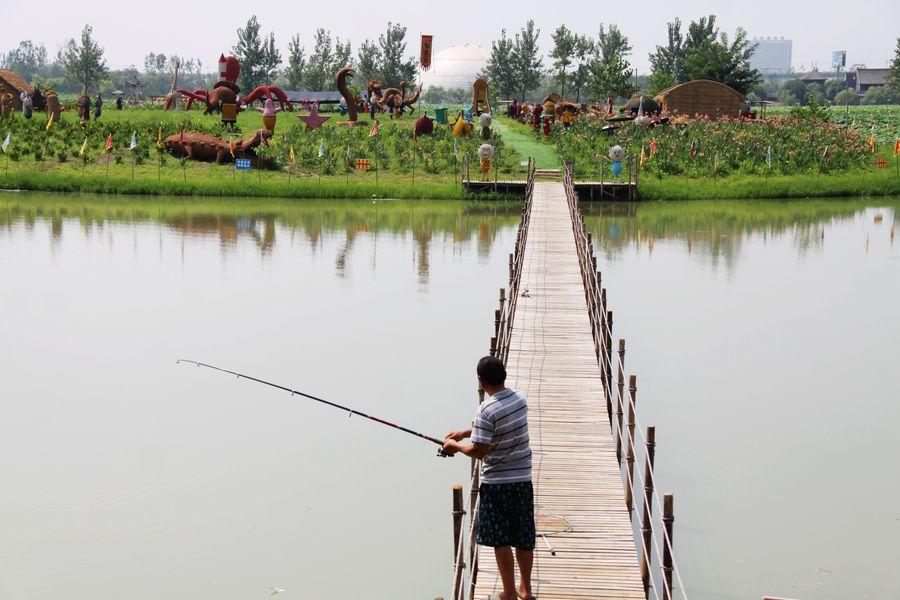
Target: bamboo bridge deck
576,475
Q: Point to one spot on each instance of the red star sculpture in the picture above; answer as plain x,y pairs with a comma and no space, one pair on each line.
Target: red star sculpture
313,120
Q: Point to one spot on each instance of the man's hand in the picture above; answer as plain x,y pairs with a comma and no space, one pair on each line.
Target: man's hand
450,447
458,435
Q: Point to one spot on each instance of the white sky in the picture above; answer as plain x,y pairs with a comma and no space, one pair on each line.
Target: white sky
868,30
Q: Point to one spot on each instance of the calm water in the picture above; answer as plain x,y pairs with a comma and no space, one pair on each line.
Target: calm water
763,334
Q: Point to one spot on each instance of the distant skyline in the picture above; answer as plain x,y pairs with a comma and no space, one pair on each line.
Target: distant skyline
129,32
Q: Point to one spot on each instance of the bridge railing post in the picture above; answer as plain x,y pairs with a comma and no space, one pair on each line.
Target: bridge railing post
629,445
668,519
646,524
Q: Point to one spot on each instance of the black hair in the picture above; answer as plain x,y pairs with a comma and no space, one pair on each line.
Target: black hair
491,370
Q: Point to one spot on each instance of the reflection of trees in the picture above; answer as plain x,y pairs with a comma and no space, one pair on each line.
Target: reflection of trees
716,228
262,221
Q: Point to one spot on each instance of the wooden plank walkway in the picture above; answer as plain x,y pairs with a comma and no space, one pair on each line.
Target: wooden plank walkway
576,475
589,190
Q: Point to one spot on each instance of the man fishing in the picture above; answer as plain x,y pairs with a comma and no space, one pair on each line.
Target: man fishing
499,436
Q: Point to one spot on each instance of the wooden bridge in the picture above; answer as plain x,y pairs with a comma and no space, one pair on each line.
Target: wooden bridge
601,188
596,538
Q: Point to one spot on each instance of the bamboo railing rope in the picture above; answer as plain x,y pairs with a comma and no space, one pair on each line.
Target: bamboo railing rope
621,406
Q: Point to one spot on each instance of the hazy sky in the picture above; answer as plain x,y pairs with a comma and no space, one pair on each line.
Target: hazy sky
868,29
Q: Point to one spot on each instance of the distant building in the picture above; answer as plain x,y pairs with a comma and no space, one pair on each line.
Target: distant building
861,78
772,55
814,77
456,67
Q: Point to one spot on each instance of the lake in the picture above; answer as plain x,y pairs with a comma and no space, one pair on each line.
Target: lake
763,335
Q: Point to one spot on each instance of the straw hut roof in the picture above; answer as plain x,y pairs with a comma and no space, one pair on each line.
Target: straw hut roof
13,83
872,76
701,97
813,77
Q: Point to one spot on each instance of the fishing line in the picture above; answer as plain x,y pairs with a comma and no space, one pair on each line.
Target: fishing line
293,392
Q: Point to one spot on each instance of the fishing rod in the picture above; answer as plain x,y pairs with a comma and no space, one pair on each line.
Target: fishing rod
293,392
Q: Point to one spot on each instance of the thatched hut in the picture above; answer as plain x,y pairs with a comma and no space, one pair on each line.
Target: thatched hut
15,85
701,97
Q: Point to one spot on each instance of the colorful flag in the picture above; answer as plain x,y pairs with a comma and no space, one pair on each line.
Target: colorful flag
49,123
231,149
109,144
769,156
321,149
293,157
825,156
653,148
643,156
693,148
456,145
425,52
374,130
181,135
640,112
6,143
872,144
133,143
716,163
896,147
609,106
159,140
83,147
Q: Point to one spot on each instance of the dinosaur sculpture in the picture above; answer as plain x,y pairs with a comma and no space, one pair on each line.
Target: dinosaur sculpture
396,98
209,148
223,92
650,106
340,81
172,98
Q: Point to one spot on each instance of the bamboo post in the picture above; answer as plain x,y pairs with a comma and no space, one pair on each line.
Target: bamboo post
646,525
457,513
620,381
608,342
493,349
629,445
619,403
668,522
511,266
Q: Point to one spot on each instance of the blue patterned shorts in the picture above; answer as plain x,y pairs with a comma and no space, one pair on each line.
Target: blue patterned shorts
506,515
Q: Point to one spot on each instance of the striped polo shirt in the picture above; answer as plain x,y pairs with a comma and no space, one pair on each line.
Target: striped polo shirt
502,422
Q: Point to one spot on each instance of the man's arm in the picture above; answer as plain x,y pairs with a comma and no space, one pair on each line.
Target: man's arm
475,450
459,435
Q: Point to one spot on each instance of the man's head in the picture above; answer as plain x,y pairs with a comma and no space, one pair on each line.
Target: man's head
491,372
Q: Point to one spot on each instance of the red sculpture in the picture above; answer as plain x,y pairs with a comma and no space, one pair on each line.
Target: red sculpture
224,92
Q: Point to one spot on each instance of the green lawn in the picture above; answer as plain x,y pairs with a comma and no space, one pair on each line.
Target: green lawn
526,144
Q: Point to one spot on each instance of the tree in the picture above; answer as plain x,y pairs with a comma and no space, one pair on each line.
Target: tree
792,91
659,81
610,72
258,56
296,63
368,57
833,87
318,71
155,64
395,67
894,76
704,53
526,59
28,59
612,43
343,55
563,54
881,94
500,70
584,50
844,98
84,62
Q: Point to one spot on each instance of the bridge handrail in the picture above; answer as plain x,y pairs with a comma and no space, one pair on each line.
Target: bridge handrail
623,433
465,566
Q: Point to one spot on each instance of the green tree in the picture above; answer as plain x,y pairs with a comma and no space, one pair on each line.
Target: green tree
612,43
881,94
610,72
563,54
258,56
343,55
368,57
395,65
659,81
833,87
296,63
792,91
28,59
584,50
83,62
500,69
844,97
527,63
894,76
319,75
705,53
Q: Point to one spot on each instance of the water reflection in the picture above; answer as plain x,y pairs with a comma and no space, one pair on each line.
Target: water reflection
719,229
268,223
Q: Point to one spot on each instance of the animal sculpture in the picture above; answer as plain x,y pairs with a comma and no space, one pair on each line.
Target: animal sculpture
223,92
209,148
